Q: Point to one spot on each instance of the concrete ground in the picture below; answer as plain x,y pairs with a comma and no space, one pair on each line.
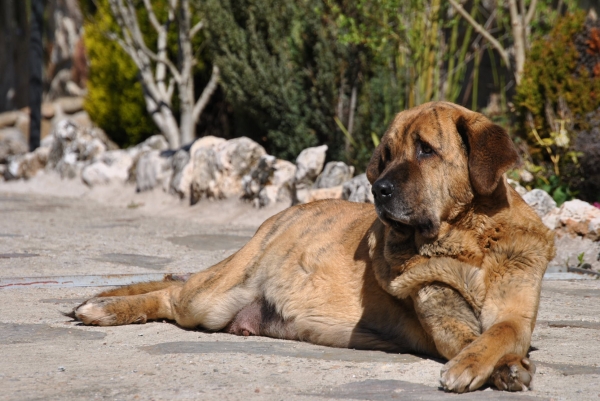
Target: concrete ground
44,355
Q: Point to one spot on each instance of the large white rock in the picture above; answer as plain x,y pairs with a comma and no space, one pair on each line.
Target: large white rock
309,165
182,174
153,169
358,189
269,182
26,165
218,167
183,165
521,190
72,148
540,201
577,217
111,166
12,143
334,174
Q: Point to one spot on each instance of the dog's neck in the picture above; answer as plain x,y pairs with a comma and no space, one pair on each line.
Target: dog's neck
467,237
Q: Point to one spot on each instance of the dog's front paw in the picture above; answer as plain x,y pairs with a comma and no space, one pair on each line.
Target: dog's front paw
465,373
513,373
105,312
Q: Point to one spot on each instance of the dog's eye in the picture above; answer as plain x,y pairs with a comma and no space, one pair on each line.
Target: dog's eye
425,150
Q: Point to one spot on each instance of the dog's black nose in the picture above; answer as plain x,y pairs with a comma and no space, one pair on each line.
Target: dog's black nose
382,189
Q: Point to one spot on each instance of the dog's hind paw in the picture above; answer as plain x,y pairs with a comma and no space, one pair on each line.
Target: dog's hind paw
105,312
513,373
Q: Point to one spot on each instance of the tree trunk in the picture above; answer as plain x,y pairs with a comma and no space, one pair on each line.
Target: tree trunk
518,32
14,55
164,120
187,125
35,79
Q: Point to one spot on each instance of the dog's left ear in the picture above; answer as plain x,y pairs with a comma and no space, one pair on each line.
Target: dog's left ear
490,149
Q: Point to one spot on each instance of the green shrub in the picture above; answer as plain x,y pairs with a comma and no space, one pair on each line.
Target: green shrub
115,101
556,92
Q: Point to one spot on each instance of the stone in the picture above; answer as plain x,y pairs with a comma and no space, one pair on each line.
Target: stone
552,219
12,142
577,217
269,182
155,142
521,190
183,165
219,167
334,174
540,201
358,189
82,119
282,180
69,105
309,165
325,193
204,176
48,110
569,247
72,148
26,165
9,118
526,176
22,124
110,166
182,174
258,178
153,169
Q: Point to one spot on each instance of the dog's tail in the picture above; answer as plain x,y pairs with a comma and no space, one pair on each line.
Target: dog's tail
465,278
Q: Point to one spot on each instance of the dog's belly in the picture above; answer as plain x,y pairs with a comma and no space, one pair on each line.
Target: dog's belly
261,318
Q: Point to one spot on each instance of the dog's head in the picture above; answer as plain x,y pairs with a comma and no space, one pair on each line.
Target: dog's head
433,161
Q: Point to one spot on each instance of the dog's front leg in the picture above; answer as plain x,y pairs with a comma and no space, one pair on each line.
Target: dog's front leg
496,357
447,317
499,354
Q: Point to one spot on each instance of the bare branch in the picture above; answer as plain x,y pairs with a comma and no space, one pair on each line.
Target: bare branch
154,57
206,93
530,12
171,88
497,45
153,20
196,28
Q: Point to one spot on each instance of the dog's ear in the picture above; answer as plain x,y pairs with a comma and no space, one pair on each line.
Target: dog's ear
491,151
376,164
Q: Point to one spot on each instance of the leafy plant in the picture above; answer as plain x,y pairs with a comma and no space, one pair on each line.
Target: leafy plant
554,95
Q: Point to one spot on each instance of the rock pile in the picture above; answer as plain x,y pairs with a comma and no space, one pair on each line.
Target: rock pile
210,168
577,227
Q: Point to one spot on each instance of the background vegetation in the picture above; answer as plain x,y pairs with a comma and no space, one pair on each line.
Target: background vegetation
296,73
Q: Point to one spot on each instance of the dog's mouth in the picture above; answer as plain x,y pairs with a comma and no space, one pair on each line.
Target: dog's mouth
425,226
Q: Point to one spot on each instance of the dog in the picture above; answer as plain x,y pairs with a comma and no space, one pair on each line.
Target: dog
448,262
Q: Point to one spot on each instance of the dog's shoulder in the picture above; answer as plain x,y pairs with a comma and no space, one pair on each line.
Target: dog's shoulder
516,234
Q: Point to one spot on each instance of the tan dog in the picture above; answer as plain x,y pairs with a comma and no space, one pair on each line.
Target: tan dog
448,263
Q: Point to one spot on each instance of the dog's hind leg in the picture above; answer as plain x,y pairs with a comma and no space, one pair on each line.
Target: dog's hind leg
139,288
119,310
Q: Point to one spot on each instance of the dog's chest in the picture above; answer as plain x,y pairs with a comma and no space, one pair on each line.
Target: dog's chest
467,245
